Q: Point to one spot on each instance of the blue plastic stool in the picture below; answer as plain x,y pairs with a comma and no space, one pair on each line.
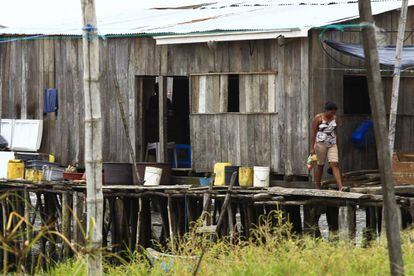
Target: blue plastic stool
182,161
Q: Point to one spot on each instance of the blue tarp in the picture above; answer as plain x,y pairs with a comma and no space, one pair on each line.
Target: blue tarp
386,53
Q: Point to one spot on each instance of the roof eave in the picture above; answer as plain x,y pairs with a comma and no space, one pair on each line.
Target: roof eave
230,36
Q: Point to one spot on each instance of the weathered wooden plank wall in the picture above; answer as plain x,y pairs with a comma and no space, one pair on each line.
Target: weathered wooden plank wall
273,109
242,139
28,67
326,83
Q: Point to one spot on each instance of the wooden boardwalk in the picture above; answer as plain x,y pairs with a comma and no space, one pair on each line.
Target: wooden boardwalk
138,216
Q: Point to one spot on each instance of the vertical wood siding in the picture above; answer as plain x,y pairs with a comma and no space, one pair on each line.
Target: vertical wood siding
29,67
326,83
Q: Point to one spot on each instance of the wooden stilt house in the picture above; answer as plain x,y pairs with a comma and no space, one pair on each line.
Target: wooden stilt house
243,80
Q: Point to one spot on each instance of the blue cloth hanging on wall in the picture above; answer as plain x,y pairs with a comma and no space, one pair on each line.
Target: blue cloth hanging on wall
50,100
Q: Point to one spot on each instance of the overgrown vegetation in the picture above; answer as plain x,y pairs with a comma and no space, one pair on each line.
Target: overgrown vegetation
271,251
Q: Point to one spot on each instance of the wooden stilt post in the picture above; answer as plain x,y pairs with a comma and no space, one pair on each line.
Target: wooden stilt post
310,221
162,205
411,210
226,203
93,136
207,206
371,231
332,219
43,218
133,220
396,75
347,222
376,95
66,221
119,223
170,221
293,216
231,221
4,217
243,220
29,229
144,223
79,221
50,219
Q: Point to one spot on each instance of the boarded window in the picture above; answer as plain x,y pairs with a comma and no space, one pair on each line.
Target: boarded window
356,97
244,93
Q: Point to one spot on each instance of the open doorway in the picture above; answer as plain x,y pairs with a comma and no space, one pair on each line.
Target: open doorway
178,106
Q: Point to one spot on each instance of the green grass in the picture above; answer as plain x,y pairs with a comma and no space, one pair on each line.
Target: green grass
277,253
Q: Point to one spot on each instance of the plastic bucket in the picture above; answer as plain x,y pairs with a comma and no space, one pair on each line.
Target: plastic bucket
166,171
246,176
261,176
228,171
152,176
220,179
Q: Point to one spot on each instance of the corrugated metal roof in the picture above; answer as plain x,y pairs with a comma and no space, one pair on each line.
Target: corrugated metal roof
160,17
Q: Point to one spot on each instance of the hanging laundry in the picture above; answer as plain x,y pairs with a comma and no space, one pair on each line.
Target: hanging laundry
50,100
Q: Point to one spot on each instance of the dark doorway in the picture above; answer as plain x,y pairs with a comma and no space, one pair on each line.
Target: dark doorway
356,97
178,106
180,127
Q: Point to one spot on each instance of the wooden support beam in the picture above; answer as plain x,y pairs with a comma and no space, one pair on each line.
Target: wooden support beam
332,219
231,221
79,219
144,223
66,223
120,226
28,228
371,220
93,135
292,213
376,95
399,190
226,202
347,222
206,216
310,220
170,221
162,119
133,220
4,222
50,219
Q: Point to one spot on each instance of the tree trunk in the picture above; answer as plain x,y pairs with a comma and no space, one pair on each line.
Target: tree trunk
396,76
93,137
376,95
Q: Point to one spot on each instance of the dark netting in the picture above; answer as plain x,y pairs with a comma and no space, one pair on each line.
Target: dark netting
386,53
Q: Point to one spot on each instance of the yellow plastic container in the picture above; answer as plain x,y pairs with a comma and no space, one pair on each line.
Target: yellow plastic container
220,179
15,169
51,158
246,177
33,175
